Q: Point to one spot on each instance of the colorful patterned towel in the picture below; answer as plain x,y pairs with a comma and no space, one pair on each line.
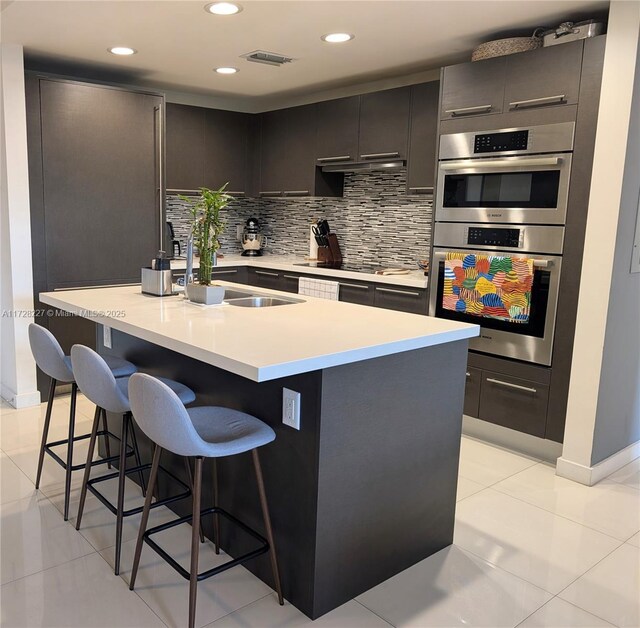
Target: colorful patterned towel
489,286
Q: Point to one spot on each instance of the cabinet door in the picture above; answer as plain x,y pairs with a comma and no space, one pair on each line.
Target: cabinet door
513,402
269,279
472,391
384,124
473,88
287,152
544,77
185,147
402,299
337,137
355,292
423,138
226,150
289,282
100,161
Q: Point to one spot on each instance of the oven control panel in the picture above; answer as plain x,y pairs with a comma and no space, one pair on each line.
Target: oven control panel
501,142
495,236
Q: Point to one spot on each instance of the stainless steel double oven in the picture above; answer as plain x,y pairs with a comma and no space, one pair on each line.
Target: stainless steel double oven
504,193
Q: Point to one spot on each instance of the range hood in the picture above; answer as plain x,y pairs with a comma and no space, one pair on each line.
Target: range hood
365,166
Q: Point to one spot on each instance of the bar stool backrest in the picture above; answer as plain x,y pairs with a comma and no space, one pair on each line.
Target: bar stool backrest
163,418
96,381
48,354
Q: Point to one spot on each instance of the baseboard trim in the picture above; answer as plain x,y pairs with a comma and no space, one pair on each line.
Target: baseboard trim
511,439
593,474
20,400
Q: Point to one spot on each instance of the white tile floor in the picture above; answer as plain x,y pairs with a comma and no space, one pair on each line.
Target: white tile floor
530,550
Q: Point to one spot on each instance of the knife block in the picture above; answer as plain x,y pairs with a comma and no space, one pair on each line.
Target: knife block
330,254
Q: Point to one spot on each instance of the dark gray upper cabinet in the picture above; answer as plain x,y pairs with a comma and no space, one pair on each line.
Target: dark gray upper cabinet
185,146
423,136
100,179
473,88
337,134
384,124
544,77
226,150
288,155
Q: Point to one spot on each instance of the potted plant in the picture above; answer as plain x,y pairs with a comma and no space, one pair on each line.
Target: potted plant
207,225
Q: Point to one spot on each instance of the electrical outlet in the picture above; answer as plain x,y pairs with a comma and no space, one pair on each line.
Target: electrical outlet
106,336
291,408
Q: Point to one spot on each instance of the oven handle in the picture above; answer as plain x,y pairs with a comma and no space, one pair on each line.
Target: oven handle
538,263
478,164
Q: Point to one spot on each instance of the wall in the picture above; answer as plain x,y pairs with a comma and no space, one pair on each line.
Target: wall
18,373
602,398
376,222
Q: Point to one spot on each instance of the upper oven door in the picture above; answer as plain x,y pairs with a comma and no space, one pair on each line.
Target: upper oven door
527,189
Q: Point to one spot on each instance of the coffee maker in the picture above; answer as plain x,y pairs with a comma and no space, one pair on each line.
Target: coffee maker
252,240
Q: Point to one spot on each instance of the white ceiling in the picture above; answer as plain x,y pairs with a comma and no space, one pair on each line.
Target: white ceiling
179,44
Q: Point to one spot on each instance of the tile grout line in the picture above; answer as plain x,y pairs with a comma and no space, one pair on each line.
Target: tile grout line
212,623
386,621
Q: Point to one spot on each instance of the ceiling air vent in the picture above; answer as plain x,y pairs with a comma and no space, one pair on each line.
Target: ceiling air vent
270,58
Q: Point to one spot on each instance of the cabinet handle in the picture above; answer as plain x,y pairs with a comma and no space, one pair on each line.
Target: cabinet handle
296,192
354,285
161,191
532,102
224,272
235,193
181,191
337,158
375,155
271,193
465,111
395,291
290,276
422,188
265,272
510,385
468,374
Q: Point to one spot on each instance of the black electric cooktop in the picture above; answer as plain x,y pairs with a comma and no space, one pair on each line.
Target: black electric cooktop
354,268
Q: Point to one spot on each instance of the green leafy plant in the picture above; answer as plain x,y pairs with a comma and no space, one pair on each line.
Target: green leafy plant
207,225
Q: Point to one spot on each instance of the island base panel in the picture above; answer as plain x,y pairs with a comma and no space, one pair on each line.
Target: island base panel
364,490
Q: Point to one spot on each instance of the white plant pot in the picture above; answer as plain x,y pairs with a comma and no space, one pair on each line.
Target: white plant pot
208,295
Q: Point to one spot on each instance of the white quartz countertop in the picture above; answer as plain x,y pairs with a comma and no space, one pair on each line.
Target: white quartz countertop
261,344
415,279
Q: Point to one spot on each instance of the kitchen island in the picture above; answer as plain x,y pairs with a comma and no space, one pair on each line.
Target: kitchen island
367,486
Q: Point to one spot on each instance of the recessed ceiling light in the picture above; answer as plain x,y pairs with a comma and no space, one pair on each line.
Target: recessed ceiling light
223,8
226,70
123,51
337,38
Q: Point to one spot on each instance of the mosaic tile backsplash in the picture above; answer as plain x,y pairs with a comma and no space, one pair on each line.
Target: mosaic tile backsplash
376,222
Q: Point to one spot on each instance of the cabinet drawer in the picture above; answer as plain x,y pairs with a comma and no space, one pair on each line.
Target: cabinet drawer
269,279
516,403
411,300
472,391
354,292
289,282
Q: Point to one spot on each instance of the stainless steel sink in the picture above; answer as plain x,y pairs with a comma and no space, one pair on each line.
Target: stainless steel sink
262,301
230,293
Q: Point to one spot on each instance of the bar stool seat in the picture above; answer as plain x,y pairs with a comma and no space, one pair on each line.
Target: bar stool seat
204,432
119,366
98,383
52,361
226,432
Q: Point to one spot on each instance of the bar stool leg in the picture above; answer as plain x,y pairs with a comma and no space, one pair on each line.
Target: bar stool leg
216,518
187,466
122,463
195,546
145,515
68,471
107,444
87,467
45,431
267,524
136,453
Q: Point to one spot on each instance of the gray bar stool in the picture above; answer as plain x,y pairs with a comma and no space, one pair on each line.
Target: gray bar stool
52,361
97,382
203,432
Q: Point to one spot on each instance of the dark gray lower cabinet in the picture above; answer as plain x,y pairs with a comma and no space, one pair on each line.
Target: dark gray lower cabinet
411,300
356,292
237,275
472,391
519,404
289,282
264,278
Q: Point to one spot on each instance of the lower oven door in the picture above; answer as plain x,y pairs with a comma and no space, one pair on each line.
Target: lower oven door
530,341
